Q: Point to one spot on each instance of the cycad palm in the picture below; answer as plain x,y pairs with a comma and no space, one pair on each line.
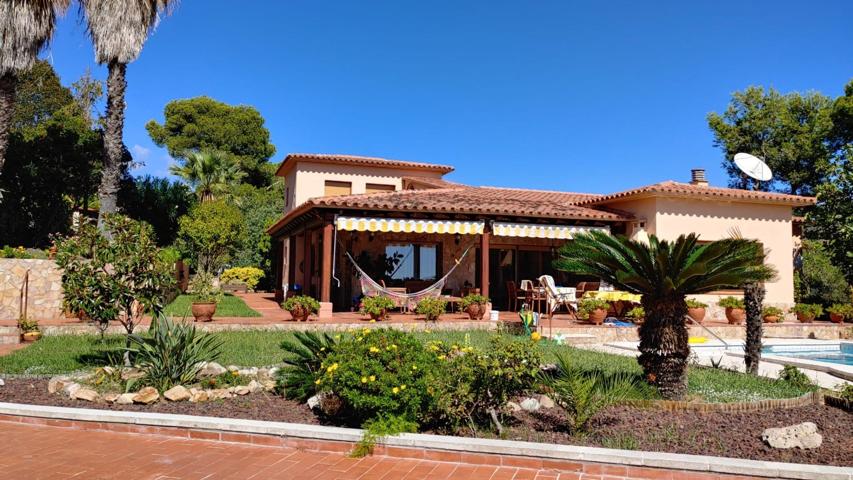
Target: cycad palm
664,273
25,28
209,172
119,29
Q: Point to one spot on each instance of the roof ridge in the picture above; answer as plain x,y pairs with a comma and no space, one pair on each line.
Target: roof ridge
539,190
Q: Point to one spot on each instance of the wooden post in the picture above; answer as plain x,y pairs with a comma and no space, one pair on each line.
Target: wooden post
326,265
484,263
306,262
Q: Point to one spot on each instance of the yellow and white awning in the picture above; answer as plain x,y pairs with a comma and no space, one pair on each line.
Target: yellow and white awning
530,230
368,224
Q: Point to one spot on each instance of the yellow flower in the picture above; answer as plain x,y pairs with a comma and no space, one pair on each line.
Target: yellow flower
434,348
402,387
373,349
358,339
442,357
235,373
535,336
414,367
318,382
394,346
332,367
363,379
427,331
322,349
365,331
373,378
372,320
395,390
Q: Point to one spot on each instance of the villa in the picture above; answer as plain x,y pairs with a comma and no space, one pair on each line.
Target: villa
404,221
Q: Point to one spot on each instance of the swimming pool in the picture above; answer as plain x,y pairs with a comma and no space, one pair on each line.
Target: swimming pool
841,354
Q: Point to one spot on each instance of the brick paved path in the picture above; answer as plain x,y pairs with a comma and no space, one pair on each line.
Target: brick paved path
35,452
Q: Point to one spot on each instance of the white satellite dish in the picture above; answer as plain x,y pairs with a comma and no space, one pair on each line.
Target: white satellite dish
753,166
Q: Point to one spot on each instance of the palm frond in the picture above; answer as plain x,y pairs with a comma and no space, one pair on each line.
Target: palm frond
25,28
119,28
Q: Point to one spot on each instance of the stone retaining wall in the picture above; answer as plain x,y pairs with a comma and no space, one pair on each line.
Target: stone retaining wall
45,288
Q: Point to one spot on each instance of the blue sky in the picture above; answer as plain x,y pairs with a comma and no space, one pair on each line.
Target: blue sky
577,96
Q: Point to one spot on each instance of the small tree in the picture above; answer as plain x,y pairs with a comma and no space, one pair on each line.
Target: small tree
211,232
119,278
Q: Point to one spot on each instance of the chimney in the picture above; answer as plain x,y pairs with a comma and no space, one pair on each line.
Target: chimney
697,177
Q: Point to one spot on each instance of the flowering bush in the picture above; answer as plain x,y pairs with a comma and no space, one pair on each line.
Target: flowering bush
473,385
248,275
378,372
431,308
377,307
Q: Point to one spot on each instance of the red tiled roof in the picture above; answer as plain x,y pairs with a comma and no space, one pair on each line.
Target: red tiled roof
463,199
291,159
670,188
430,182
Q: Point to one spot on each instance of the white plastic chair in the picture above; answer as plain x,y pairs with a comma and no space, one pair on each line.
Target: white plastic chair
557,297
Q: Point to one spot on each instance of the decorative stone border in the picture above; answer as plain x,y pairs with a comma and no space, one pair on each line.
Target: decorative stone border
811,398
586,460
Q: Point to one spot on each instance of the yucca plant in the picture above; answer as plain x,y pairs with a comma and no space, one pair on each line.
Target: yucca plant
664,273
173,353
303,357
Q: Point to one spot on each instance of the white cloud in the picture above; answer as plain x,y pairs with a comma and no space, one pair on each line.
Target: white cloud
140,153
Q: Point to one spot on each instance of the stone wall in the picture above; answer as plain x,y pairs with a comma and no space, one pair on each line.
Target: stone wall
45,288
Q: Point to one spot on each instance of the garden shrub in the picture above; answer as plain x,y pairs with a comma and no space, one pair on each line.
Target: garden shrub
377,428
303,357
811,310
377,307
210,233
693,303
818,280
731,302
473,385
172,355
21,252
203,290
378,372
431,308
248,275
794,376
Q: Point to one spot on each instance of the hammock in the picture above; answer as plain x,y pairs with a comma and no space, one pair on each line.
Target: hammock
371,288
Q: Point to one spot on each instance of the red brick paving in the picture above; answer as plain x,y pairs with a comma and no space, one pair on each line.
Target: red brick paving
33,451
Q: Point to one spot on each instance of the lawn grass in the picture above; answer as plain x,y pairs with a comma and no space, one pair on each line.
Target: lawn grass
67,353
229,306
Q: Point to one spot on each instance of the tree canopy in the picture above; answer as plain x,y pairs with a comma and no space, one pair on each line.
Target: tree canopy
204,123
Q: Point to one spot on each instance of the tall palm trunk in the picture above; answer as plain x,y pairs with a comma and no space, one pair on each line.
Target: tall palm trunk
113,141
663,345
7,109
753,296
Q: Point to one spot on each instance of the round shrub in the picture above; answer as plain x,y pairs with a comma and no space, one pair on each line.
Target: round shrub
431,308
248,275
378,372
731,302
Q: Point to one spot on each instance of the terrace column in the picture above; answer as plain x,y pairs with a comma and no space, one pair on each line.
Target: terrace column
484,261
326,271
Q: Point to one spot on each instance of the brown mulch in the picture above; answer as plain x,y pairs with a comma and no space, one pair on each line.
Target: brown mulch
725,434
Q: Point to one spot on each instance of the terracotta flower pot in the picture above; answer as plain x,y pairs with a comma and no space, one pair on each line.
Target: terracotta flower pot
771,319
300,314
203,312
836,318
696,314
597,316
805,318
475,311
735,316
30,336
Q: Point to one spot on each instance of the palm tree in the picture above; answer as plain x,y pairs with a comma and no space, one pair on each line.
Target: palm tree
208,172
664,273
25,28
753,296
118,29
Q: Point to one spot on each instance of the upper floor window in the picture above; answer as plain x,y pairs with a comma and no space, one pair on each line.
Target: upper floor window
337,188
379,187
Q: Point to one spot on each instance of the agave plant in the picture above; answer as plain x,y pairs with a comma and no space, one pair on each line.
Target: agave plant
664,273
174,352
303,359
118,29
25,28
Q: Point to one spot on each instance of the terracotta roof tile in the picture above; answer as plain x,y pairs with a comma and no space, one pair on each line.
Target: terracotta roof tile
292,158
431,182
671,188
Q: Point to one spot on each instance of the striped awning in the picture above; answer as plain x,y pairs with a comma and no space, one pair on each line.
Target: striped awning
530,230
368,224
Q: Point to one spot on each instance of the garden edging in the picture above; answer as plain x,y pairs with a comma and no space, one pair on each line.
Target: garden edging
422,446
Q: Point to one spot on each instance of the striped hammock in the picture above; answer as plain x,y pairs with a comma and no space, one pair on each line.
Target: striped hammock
371,288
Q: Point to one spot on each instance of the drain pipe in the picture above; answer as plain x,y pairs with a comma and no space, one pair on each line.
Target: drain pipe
335,251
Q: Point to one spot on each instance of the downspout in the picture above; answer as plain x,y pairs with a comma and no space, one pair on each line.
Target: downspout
335,251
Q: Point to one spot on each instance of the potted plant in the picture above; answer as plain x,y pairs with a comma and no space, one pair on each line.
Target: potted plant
771,314
474,305
807,312
696,310
594,310
637,315
29,329
431,308
377,307
205,296
301,307
840,312
735,312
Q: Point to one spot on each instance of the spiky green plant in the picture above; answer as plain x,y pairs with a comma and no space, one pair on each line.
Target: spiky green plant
303,356
118,29
172,355
25,28
664,273
208,172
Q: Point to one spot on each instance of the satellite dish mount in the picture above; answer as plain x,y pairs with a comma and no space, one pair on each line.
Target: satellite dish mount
753,167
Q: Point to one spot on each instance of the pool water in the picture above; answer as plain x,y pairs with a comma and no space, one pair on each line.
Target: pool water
839,354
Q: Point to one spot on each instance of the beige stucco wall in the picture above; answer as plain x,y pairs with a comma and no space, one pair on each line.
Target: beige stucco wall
713,220
307,179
